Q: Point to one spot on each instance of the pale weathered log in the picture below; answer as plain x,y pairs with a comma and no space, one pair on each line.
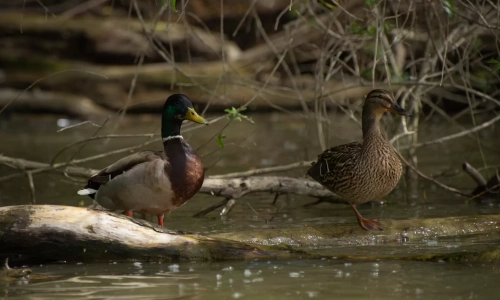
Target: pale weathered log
64,233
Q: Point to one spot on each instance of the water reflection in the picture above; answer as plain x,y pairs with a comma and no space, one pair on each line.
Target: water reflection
303,279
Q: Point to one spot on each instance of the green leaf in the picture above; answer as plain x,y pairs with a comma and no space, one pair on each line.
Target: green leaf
370,3
495,63
357,29
367,74
220,139
372,31
235,114
172,4
388,25
328,5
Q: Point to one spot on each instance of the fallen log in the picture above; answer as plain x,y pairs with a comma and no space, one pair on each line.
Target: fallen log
109,38
39,233
54,102
48,233
156,81
395,231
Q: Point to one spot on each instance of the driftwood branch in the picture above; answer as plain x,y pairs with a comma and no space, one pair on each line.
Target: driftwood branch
474,173
233,188
238,187
440,184
486,191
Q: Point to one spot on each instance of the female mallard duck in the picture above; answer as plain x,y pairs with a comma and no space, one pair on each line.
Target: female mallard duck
153,182
363,172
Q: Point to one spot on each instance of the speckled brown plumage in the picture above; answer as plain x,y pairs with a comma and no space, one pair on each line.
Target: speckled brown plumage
363,172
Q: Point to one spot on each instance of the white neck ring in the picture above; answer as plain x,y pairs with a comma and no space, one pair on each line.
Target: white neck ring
172,137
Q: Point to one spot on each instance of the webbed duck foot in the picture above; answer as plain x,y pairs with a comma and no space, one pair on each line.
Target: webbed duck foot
366,224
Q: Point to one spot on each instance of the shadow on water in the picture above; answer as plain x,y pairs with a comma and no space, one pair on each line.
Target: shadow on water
274,139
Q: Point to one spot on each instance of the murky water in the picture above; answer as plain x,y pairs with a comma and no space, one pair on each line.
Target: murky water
298,279
274,139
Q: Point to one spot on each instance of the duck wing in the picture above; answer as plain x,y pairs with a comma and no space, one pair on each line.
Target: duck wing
121,166
334,164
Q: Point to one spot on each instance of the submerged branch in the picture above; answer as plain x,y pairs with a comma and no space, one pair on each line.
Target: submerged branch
444,186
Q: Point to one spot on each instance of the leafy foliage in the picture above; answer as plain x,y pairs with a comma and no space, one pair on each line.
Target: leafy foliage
495,63
235,114
220,139
370,3
172,4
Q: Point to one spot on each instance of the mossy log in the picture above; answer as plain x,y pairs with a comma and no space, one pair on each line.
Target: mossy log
395,231
38,233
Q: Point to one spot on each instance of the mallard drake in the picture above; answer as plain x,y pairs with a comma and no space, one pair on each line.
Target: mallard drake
153,182
363,172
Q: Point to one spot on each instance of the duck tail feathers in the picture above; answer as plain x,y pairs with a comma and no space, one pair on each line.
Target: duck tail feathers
87,191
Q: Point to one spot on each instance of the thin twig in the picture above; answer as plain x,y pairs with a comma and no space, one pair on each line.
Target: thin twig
444,186
456,135
296,165
32,186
